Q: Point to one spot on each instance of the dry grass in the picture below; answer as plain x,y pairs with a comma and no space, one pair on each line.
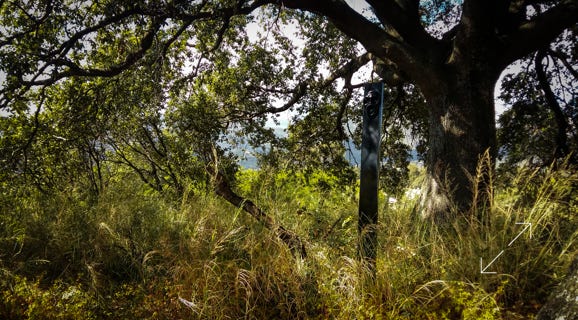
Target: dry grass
138,254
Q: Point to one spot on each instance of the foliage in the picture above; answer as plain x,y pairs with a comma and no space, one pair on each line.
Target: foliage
537,129
22,299
453,300
167,88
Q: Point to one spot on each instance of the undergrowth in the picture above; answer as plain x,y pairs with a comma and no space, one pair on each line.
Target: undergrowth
136,254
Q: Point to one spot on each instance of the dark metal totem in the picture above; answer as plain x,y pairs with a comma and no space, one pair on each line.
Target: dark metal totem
372,106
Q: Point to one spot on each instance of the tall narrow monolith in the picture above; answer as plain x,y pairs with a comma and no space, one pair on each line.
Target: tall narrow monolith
369,173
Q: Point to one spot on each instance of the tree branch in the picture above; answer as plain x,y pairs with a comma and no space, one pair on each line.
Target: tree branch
37,23
414,61
224,190
405,20
125,161
76,70
301,89
342,109
540,31
52,60
562,57
561,149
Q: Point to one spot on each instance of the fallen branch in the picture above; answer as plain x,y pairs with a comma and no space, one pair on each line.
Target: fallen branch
223,189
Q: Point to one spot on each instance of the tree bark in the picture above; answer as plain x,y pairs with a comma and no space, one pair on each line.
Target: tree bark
461,133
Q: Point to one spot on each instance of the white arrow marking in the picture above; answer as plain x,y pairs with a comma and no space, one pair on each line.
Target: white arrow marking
528,225
483,270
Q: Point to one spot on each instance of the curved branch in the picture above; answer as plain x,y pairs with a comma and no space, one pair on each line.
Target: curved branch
342,109
405,20
51,61
299,92
346,71
562,57
561,148
538,32
414,61
224,190
76,70
68,44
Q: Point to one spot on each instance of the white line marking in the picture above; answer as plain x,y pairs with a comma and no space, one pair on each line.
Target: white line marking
483,270
528,225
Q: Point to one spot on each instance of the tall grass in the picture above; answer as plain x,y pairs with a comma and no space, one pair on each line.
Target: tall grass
135,253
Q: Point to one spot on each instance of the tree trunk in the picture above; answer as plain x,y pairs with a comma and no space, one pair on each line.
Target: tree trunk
461,131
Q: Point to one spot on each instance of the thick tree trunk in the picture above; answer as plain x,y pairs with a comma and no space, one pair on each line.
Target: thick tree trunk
462,131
